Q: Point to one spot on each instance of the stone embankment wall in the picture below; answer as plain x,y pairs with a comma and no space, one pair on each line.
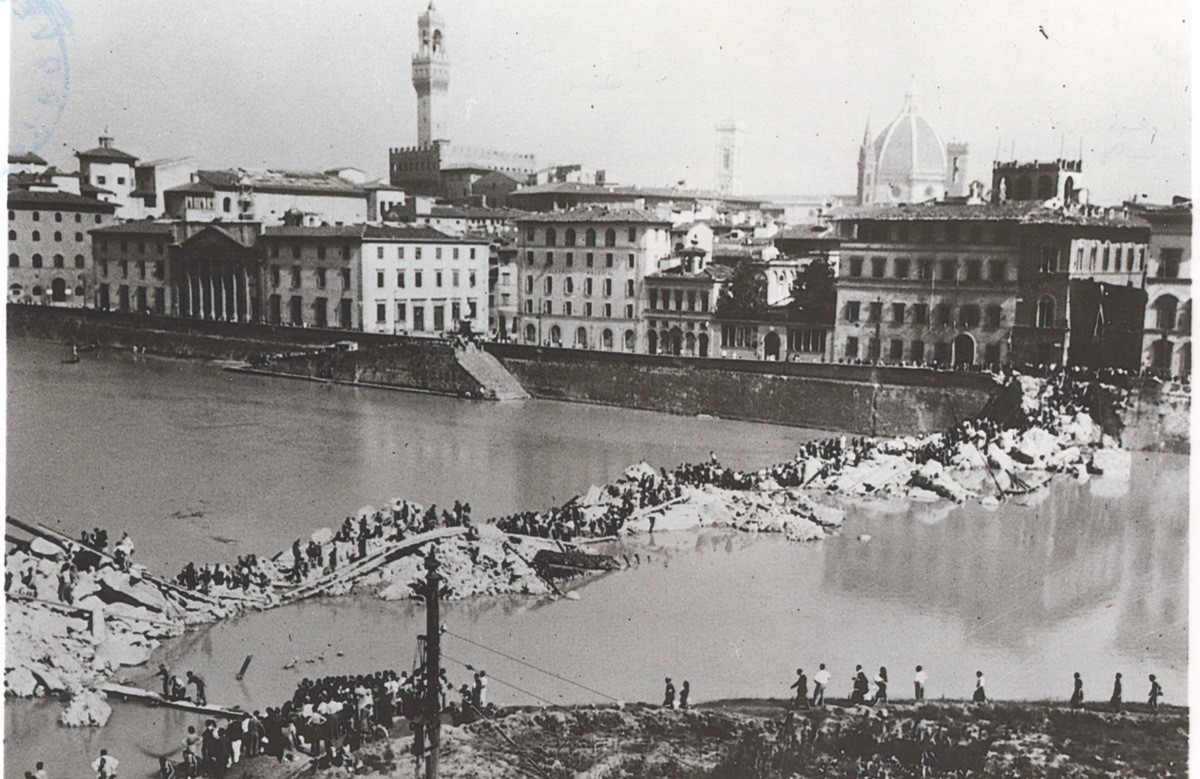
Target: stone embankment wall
1156,417
854,399
404,363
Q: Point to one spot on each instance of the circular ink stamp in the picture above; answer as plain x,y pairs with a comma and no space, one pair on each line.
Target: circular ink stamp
40,32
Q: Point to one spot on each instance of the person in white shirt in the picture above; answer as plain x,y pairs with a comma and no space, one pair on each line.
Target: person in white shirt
105,766
820,682
980,695
919,680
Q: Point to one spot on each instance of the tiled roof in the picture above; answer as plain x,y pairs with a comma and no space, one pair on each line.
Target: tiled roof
106,153
85,187
143,227
1025,212
615,190
414,233
193,187
281,181
23,198
584,215
317,231
806,232
477,212
25,158
708,273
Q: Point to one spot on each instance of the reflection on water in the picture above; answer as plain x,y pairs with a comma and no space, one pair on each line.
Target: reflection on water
1089,577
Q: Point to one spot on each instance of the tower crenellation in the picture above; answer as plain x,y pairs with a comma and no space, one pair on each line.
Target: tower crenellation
430,76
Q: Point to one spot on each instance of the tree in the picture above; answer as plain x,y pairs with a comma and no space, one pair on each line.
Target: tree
745,296
814,294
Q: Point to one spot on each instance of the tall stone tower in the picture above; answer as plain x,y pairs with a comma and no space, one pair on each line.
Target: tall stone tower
430,76
728,150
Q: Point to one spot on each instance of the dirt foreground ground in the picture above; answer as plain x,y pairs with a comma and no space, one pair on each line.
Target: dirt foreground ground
758,738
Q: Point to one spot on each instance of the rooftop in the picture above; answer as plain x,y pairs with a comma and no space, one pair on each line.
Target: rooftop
106,154
25,158
1024,212
581,215
707,273
24,198
476,212
276,181
316,231
415,233
144,227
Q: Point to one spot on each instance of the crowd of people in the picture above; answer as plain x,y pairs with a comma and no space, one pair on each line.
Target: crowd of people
245,575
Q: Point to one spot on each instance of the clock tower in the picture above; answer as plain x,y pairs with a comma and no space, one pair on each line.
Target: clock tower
430,76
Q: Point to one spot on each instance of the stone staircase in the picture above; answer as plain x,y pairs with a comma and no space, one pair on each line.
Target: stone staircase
495,379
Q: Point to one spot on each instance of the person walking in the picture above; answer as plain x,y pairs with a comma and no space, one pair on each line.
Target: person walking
1115,700
669,695
195,678
105,766
861,686
685,692
820,682
480,692
1156,692
881,682
801,688
166,680
980,695
1077,694
919,679
192,750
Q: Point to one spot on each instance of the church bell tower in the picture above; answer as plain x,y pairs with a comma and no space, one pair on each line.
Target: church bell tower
430,76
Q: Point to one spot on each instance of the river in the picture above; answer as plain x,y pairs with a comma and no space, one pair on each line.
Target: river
202,464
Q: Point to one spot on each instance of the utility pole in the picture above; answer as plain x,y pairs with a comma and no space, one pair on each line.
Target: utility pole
433,631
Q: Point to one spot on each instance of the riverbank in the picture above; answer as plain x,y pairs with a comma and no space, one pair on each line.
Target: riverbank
755,738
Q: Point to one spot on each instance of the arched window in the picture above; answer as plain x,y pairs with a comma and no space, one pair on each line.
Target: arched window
549,285
569,285
1045,187
36,236
610,237
57,235
79,290
58,291
1185,317
37,260
556,336
1045,312
651,341
606,339
226,205
37,292
551,237
569,237
589,237
630,339
78,237
581,339
629,288
58,216
530,333
690,345
79,261
12,235
58,261
14,261
1165,308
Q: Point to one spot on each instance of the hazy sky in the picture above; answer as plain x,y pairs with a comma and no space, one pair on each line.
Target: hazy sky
632,86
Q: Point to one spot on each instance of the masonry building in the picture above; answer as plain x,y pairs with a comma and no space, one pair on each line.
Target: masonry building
50,247
1167,342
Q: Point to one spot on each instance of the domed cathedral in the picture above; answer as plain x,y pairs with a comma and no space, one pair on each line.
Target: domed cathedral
908,162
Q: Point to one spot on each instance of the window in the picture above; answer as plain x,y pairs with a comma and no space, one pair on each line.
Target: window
295,275
121,180
898,313
570,259
653,299
901,267
346,282
14,261
875,311
548,306
399,252
920,313
36,235
632,235
549,258
1045,312
295,251
320,278
569,285
37,217
630,262
57,216
530,235
629,288
454,253
1169,262
851,348
943,314
589,238
417,254
454,278
608,288
925,270
124,269
949,270
991,354
79,239
569,237
608,310
141,268
529,285
437,279
549,285
472,252
691,298
226,204
400,278
58,237
608,260
437,253
104,268
610,237
37,261
79,218
568,308
896,350
402,315
381,312
275,275
997,270
587,286
629,311
852,311
878,266
917,351
993,317
856,267
973,270
551,237
1048,259
1107,258
158,267
417,280
12,235
529,257
969,316
79,261
591,259
587,309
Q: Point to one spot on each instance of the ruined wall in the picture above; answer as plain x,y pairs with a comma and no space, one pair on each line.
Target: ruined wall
854,399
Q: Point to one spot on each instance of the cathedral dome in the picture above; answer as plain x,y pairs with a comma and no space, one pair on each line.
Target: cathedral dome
909,148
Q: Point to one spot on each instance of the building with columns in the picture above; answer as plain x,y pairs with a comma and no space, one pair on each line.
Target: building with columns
582,276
